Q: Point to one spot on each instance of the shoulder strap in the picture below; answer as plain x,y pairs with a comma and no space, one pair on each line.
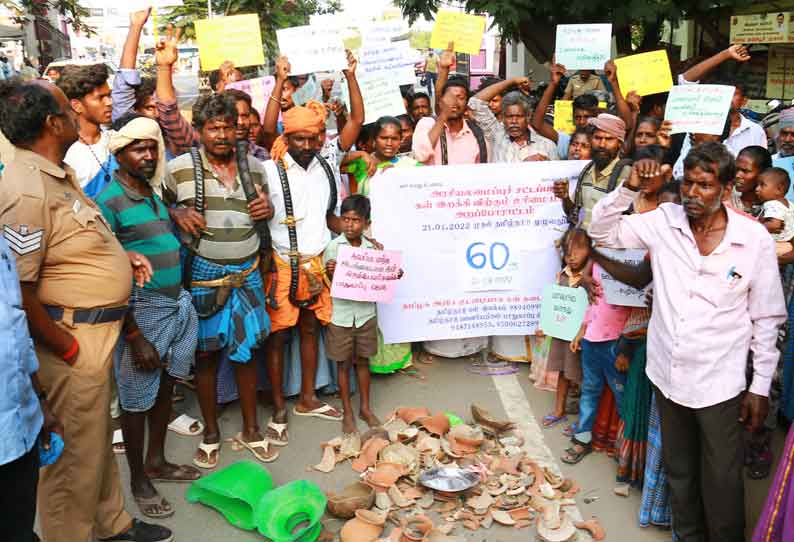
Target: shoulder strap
613,178
294,255
573,218
198,178
479,135
444,151
331,183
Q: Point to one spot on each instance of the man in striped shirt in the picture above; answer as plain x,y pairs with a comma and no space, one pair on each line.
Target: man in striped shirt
164,345
222,265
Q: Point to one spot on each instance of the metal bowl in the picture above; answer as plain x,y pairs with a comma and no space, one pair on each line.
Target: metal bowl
449,479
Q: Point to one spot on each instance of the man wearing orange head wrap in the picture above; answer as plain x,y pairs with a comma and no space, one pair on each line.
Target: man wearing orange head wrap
303,176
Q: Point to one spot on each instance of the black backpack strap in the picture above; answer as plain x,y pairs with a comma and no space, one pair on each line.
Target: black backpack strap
331,183
479,135
294,255
198,204
573,216
613,178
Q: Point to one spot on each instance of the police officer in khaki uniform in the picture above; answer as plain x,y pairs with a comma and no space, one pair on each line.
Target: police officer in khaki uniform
76,281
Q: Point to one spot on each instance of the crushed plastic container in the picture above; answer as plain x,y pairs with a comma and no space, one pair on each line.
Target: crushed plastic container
234,491
291,513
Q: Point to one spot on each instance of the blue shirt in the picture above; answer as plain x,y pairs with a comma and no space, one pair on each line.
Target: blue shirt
123,93
20,414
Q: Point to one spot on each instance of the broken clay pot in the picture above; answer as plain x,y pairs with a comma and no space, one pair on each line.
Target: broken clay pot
385,475
372,517
411,415
357,530
415,528
437,424
593,526
502,517
354,497
369,454
485,419
400,454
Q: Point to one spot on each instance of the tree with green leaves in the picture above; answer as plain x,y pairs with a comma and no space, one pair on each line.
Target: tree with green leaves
273,15
533,22
71,11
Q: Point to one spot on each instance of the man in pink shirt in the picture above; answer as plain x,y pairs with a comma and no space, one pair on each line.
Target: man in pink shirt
449,138
717,296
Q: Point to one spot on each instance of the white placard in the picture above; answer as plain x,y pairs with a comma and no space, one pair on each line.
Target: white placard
429,213
583,46
616,292
381,96
698,109
312,49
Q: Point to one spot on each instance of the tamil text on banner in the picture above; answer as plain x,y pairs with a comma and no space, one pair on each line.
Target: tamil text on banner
761,28
616,292
477,244
258,89
381,96
312,49
563,116
464,30
583,46
236,38
645,73
698,109
562,311
364,274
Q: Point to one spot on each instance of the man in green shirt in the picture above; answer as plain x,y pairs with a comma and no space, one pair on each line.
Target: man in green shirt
164,344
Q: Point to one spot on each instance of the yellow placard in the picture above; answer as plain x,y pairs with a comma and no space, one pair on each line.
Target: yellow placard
563,116
645,73
461,28
236,38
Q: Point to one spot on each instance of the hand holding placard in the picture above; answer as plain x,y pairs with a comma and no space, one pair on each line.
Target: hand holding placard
312,49
364,274
562,311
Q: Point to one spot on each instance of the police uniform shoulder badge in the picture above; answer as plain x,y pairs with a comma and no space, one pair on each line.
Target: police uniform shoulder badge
21,240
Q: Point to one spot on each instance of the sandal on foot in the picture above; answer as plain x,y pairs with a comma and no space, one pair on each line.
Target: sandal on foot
571,430
182,474
155,507
118,442
550,420
186,426
323,412
268,456
208,449
573,456
276,433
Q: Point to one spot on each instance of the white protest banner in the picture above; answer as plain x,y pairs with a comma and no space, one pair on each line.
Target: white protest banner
698,109
583,46
454,221
381,96
312,49
364,274
616,292
387,60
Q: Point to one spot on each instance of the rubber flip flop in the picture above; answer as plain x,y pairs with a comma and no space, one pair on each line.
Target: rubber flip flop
280,430
268,457
208,449
118,442
150,502
188,474
320,412
182,424
550,420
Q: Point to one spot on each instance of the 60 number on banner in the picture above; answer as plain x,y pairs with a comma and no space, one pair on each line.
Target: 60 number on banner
490,265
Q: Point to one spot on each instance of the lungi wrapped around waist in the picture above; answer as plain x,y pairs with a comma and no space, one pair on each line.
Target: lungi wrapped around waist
312,284
170,325
241,324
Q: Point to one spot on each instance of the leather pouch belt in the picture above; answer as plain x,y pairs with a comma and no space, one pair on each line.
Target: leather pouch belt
89,316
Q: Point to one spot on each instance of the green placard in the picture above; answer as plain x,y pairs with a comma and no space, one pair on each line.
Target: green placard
562,311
